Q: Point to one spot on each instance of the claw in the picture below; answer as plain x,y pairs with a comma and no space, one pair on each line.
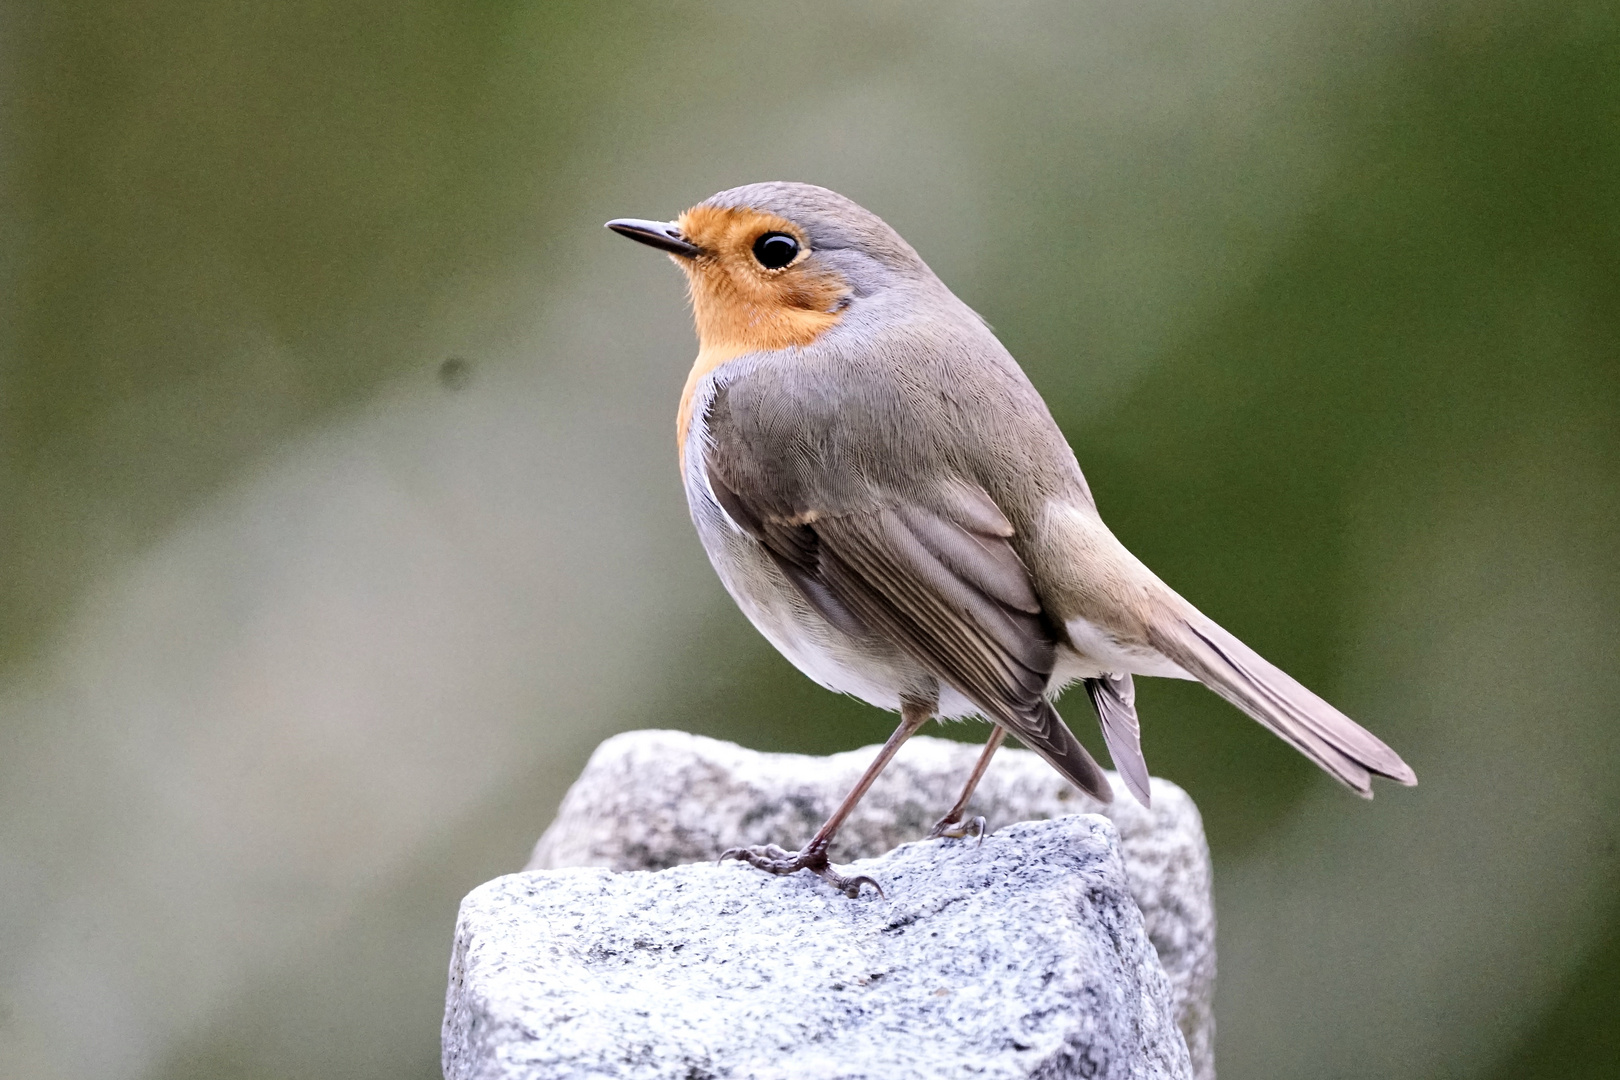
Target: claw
850,886
767,857
959,829
776,860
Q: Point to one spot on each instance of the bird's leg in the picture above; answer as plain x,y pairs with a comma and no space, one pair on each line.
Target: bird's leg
913,715
952,824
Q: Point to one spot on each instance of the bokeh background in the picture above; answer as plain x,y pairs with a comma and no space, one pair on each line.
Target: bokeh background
339,517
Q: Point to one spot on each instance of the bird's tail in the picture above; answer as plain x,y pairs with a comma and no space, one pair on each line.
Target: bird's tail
1342,747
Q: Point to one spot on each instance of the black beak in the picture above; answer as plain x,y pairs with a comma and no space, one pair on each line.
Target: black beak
662,235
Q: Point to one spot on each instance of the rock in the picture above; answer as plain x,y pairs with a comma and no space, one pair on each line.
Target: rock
1021,957
654,799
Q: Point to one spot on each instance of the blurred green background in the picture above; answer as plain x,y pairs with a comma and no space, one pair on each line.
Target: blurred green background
304,630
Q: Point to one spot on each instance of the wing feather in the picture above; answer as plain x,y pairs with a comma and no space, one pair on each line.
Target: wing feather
944,585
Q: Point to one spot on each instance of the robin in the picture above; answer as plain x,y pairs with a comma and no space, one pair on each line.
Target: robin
889,501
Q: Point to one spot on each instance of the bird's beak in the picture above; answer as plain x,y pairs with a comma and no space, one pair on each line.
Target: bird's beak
662,235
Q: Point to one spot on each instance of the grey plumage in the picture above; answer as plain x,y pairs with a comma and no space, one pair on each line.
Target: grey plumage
896,509
949,592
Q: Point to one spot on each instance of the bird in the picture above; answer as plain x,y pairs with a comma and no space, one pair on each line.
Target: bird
888,499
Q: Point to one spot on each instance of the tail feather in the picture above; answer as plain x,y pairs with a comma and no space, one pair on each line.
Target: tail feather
1346,750
1114,698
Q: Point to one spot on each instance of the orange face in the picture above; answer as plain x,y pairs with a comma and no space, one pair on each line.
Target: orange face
740,302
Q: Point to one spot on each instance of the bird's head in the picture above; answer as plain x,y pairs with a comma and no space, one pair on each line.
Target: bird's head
775,265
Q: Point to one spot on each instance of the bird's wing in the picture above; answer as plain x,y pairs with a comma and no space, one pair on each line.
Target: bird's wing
941,582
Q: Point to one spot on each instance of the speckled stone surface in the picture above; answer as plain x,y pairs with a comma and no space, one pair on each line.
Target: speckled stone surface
654,799
1025,956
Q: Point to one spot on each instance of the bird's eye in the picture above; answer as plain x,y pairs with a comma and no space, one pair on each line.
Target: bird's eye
775,250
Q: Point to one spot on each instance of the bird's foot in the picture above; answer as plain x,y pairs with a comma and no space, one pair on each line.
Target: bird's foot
775,860
957,829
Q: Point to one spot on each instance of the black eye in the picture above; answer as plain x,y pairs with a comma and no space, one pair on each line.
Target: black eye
775,250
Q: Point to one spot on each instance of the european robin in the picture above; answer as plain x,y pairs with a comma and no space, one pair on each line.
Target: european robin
889,501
